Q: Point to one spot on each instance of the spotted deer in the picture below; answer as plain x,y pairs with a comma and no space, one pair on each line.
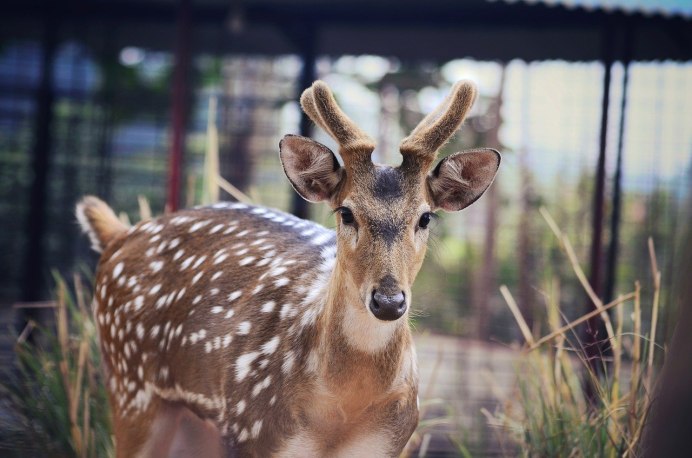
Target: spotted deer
237,330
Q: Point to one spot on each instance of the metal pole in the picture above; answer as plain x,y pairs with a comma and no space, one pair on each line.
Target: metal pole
32,282
613,248
179,105
595,328
299,206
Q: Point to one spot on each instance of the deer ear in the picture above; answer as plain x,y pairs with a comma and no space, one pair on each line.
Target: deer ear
461,178
311,167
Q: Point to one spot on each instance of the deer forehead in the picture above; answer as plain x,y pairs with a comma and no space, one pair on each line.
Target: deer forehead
385,192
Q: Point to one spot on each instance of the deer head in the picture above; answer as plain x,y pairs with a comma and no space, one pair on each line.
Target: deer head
383,212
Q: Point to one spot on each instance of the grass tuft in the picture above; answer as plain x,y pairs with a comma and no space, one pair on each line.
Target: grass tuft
54,399
551,414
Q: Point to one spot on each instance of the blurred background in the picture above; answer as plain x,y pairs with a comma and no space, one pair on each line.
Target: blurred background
590,103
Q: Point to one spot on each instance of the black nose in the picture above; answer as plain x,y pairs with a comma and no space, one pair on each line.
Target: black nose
388,307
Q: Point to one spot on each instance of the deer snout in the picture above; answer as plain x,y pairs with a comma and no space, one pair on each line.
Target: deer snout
387,305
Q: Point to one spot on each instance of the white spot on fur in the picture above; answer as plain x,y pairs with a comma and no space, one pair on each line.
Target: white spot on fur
140,331
286,309
199,262
227,339
257,289
242,365
256,428
322,238
268,307
278,271
244,328
186,263
199,225
271,345
289,359
118,269
234,295
155,289
216,309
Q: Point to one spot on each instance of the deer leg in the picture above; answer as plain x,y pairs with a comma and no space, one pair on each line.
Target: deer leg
196,437
148,433
166,429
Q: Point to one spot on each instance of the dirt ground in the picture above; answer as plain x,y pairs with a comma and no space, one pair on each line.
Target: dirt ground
459,377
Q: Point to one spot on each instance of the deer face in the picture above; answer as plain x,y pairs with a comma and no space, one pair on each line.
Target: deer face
382,233
383,212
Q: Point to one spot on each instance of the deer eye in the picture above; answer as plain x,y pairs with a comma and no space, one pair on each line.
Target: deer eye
425,219
346,215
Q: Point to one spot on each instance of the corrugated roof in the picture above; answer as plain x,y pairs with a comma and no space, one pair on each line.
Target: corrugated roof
434,30
665,8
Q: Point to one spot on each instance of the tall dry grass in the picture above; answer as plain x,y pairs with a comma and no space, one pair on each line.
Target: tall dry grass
551,414
54,398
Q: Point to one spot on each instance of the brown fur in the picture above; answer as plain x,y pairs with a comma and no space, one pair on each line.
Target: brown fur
251,331
99,222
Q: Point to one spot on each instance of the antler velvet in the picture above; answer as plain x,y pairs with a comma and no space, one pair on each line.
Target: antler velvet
438,126
319,104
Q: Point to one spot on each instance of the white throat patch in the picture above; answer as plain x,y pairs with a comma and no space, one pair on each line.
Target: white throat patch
364,332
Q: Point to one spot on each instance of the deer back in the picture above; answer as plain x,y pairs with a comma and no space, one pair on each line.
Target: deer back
215,307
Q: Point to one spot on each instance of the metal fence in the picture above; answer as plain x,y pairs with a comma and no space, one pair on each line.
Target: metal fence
110,136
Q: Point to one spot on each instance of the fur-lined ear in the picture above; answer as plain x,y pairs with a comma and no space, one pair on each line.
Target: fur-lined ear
460,179
311,167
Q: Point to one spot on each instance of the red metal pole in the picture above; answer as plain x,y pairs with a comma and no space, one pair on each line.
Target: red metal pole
179,105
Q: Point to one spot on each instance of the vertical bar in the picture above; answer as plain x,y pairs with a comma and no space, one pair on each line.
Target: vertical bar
299,206
595,328
32,286
611,272
179,105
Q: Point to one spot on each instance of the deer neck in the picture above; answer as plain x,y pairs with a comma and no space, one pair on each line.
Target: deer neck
352,341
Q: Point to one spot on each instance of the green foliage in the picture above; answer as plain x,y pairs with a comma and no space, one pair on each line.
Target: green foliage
56,399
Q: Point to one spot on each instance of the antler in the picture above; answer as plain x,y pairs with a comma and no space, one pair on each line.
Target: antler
438,126
319,104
